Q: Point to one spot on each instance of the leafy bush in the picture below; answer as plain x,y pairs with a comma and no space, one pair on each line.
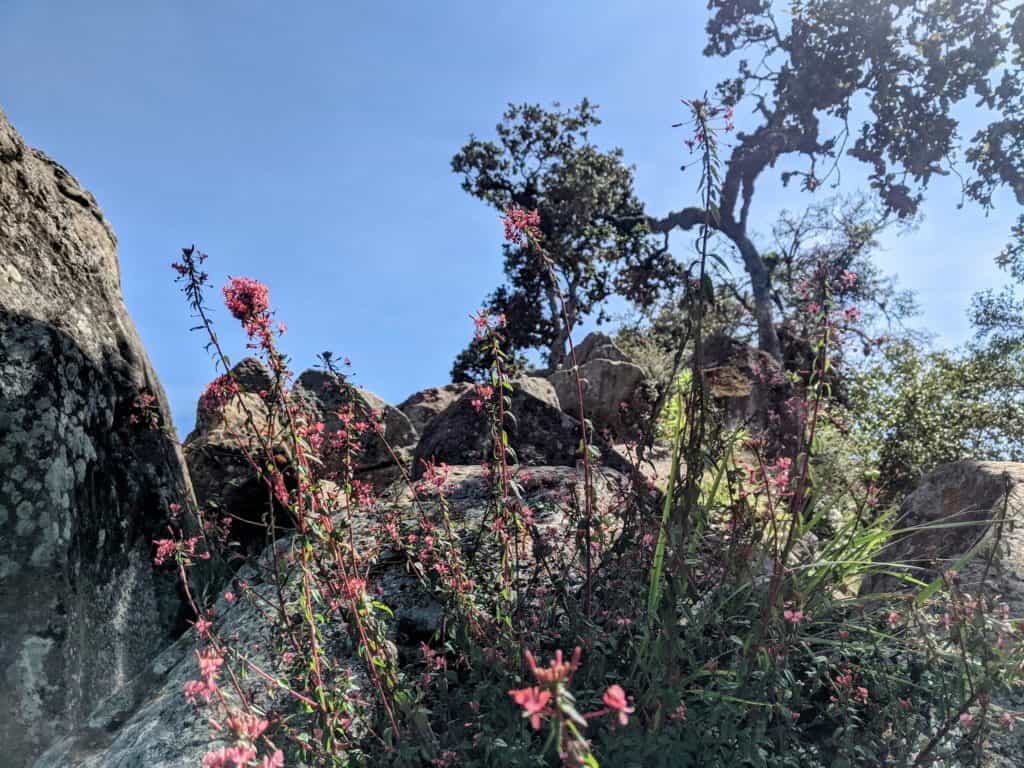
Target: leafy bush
913,410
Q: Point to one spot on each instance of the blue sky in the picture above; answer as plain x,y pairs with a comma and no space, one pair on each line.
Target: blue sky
308,145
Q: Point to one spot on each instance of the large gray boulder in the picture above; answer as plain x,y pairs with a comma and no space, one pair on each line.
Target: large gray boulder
958,508
973,509
252,427
87,470
150,723
323,394
615,395
540,432
227,439
753,391
423,406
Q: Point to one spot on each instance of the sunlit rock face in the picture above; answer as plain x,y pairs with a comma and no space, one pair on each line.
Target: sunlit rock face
87,471
422,407
617,395
959,507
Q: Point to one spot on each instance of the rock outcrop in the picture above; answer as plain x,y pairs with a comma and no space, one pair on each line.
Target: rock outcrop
325,394
422,407
752,390
980,508
87,473
223,445
968,515
614,393
229,437
541,434
151,724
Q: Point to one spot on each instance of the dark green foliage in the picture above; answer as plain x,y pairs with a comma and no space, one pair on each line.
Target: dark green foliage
998,317
918,409
591,221
877,80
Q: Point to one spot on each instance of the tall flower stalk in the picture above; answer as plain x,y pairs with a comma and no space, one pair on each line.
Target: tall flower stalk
525,226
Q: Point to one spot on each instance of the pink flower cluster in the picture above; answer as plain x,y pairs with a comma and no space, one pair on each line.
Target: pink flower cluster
519,224
248,301
218,393
484,392
182,550
549,699
484,322
844,683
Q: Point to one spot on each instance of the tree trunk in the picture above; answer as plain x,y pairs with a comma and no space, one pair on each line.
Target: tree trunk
760,281
556,351
761,288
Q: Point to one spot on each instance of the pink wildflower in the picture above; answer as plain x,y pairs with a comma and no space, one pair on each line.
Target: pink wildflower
794,617
615,699
197,688
247,726
519,223
164,549
534,701
209,664
247,300
229,757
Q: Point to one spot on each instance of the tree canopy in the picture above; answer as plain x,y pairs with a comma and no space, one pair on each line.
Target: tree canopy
592,223
875,80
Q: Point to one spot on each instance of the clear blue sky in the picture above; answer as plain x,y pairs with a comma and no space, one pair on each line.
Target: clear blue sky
308,145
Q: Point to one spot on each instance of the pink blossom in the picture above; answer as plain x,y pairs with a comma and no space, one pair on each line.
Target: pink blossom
519,223
247,300
534,702
209,663
794,617
197,688
164,549
247,726
229,757
615,699
845,679
966,719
